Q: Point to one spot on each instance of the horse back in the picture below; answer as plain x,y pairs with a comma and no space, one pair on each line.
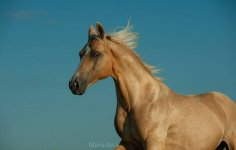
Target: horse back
230,115
218,103
205,115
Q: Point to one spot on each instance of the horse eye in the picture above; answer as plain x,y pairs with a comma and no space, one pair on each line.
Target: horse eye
94,54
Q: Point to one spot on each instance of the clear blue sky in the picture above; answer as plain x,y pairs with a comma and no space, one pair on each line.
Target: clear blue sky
194,42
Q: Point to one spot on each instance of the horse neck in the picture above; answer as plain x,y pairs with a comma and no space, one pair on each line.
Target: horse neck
134,82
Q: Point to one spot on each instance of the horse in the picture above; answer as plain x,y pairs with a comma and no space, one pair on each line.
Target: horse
149,115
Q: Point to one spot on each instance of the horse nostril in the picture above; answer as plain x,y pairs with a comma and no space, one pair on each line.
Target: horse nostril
76,84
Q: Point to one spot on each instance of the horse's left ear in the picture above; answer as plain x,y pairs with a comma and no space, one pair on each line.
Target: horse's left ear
92,32
100,30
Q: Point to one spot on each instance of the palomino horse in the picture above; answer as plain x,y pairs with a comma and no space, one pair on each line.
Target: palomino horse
149,115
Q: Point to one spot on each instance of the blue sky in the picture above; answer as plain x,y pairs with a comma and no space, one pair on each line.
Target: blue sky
194,42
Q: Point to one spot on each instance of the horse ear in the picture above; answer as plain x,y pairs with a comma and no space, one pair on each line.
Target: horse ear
92,31
100,30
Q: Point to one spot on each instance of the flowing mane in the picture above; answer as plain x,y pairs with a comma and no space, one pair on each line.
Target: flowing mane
129,38
126,36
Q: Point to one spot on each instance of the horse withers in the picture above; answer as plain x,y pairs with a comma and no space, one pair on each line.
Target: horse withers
149,115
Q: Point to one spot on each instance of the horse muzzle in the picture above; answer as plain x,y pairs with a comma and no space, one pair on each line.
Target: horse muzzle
76,87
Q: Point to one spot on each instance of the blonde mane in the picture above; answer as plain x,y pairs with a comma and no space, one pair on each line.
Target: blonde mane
129,38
